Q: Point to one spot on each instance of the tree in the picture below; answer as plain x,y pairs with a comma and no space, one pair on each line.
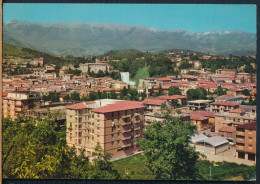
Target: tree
219,91
102,168
246,92
75,96
174,91
113,94
166,147
195,94
123,92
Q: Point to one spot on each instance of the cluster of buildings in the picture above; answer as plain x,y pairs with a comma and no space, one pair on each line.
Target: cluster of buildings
116,124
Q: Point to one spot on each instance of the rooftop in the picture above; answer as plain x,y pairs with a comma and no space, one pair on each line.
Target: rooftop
153,101
248,126
172,97
224,103
120,106
228,129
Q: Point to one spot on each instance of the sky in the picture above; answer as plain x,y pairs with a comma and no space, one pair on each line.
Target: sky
193,18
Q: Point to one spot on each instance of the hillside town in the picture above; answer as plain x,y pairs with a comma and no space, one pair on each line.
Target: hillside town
95,109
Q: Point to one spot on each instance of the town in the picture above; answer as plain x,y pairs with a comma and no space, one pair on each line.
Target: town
101,102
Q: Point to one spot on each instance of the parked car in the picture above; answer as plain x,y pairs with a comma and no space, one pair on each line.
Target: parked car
212,129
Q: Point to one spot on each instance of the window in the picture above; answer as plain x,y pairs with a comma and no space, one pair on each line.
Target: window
112,143
118,113
126,112
118,135
112,114
112,136
118,142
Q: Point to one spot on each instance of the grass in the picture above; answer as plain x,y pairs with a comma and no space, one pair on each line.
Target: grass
141,73
135,167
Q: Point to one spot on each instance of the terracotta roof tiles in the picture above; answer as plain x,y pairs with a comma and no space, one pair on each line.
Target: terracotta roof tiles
248,126
120,106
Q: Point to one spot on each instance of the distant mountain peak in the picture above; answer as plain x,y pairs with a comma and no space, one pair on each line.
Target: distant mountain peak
85,38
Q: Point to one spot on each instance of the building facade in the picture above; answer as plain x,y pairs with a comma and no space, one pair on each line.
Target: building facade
19,103
246,141
113,126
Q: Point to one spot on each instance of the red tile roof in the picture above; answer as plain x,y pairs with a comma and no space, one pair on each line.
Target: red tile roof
153,101
225,103
4,94
234,89
173,97
204,113
164,79
197,117
227,129
238,110
77,106
120,106
248,126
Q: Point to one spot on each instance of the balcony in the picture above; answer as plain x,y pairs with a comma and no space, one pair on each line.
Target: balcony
138,121
125,145
126,116
126,137
18,103
125,130
238,147
240,140
127,122
137,128
18,109
240,133
137,114
137,135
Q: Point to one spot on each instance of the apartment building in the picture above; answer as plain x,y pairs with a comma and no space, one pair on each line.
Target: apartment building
19,103
94,67
202,119
234,117
226,71
223,106
113,124
246,141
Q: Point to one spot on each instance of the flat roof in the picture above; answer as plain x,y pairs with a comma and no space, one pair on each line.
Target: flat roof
200,101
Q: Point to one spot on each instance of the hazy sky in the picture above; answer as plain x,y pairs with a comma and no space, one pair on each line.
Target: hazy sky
194,18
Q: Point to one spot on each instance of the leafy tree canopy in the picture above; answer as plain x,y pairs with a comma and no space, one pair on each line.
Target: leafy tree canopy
166,147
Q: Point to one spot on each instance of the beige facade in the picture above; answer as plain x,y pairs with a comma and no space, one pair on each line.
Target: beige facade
94,67
114,126
246,141
19,103
231,119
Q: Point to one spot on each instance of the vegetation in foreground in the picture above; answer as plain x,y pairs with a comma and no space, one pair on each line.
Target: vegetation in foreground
135,167
33,150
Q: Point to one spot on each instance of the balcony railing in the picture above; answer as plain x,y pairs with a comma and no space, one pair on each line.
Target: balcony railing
125,145
126,116
240,133
137,128
127,122
238,147
137,135
137,114
126,130
240,140
125,138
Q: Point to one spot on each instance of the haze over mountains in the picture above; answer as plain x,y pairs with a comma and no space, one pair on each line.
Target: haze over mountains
85,38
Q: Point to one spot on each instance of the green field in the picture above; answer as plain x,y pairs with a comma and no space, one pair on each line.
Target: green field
135,167
141,73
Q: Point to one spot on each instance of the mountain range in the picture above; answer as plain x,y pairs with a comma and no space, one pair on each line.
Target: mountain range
92,38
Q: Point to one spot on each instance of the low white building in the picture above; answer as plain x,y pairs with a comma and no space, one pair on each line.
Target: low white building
210,145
